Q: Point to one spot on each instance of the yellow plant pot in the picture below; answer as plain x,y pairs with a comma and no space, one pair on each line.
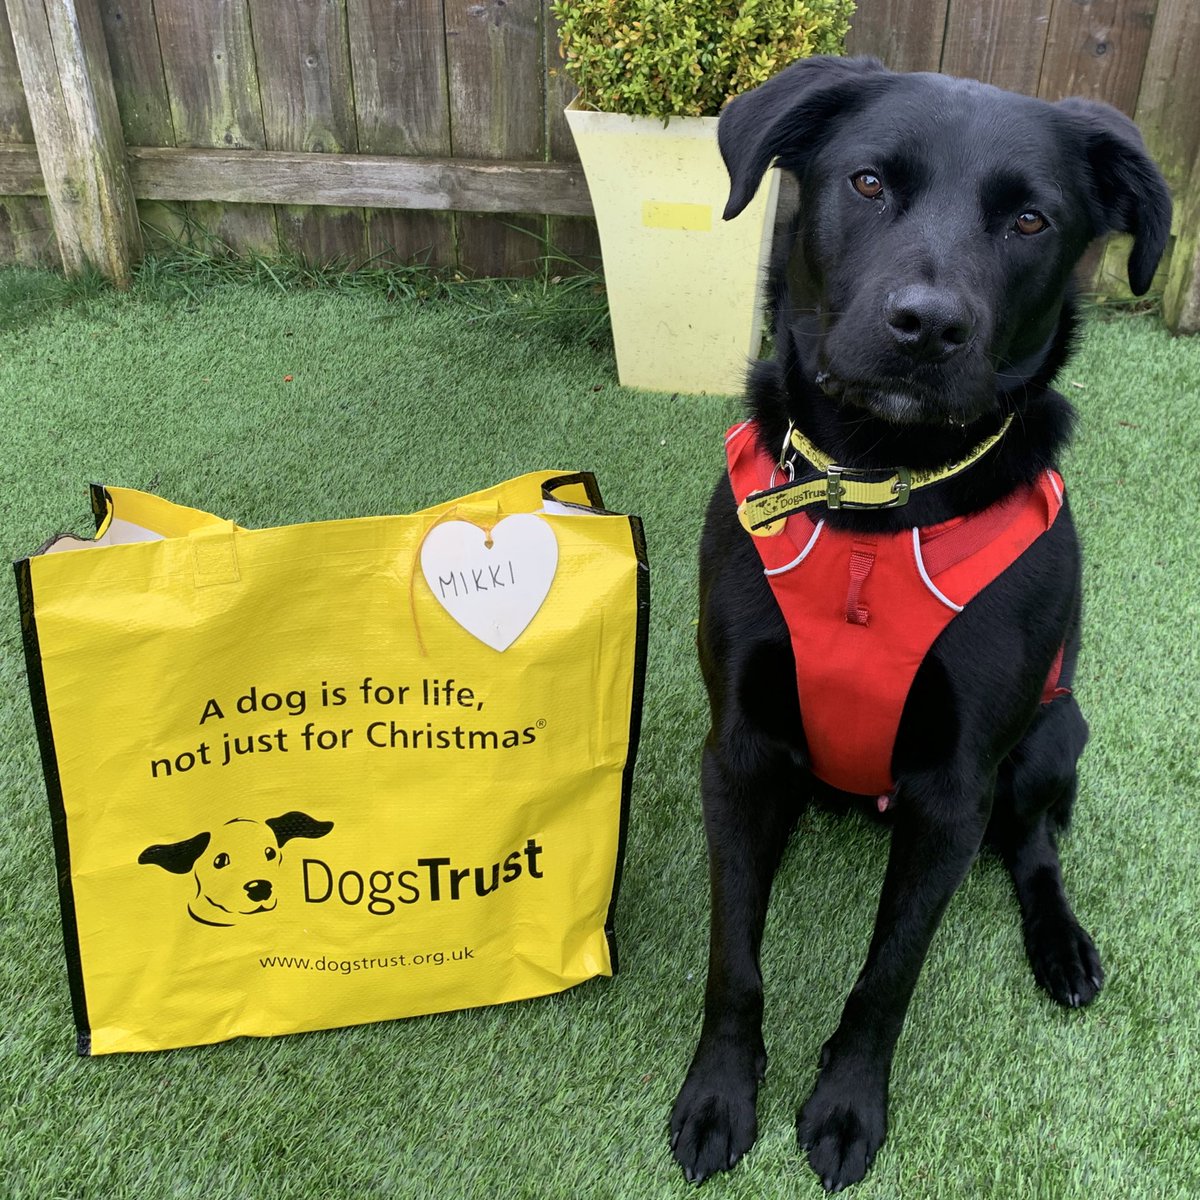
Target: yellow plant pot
685,289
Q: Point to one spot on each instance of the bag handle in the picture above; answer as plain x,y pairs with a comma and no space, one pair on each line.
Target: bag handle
579,490
214,555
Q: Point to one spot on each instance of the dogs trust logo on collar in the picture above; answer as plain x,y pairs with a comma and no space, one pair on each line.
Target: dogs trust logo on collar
237,867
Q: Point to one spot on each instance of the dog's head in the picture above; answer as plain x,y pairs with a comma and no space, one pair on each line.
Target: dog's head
234,868
939,222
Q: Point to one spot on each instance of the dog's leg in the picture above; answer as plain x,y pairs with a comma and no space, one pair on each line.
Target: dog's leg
748,814
939,829
1034,796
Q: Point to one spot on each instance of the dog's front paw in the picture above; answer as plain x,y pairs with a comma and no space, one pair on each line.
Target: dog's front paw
714,1121
1064,960
842,1126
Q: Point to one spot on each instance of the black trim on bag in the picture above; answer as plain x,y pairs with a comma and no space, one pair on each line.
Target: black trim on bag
101,502
641,654
585,479
58,812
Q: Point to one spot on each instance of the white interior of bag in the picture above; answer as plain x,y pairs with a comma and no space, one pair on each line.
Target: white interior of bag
118,533
558,508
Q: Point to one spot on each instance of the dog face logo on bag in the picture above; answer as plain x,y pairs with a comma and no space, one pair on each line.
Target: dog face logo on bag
236,867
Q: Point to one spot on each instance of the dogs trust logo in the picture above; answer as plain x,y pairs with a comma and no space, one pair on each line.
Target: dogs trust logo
235,868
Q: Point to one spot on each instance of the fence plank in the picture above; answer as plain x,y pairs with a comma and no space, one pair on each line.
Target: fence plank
1181,295
26,233
273,177
303,66
141,88
573,243
330,237
303,60
998,41
14,112
208,62
73,111
279,177
398,52
1168,113
212,83
137,70
20,171
905,34
1168,107
1097,49
490,43
398,57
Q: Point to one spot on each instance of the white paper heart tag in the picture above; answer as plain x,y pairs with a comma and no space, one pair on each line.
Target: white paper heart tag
493,591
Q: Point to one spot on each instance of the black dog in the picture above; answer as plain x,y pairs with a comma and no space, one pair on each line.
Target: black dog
925,298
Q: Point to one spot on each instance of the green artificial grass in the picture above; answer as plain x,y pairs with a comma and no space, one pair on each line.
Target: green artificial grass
401,396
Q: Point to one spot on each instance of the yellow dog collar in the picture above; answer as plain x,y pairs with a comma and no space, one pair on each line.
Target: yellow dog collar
762,513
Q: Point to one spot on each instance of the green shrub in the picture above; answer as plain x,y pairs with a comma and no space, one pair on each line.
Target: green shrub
664,58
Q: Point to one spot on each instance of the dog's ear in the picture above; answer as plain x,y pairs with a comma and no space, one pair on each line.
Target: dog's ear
297,824
787,118
178,857
1128,192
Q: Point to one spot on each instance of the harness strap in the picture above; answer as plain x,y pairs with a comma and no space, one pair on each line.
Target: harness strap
862,559
1051,689
943,547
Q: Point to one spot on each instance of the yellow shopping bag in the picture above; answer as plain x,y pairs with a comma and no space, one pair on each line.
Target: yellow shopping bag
334,773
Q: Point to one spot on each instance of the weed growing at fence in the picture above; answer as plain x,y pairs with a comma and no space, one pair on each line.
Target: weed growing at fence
562,298
26,294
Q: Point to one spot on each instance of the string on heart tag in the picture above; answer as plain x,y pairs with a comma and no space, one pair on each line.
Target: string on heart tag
496,595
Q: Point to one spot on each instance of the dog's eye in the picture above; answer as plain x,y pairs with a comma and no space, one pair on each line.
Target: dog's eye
269,853
867,184
1030,222
222,860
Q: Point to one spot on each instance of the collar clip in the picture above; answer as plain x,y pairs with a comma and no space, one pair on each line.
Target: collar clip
900,486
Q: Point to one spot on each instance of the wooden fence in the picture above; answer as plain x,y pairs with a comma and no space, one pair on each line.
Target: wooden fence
431,130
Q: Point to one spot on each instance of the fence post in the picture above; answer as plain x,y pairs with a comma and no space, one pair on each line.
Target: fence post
1181,296
73,109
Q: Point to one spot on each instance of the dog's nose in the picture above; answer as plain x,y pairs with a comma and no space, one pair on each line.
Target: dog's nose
927,322
258,889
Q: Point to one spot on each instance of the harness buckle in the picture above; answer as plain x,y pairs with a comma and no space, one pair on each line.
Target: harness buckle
835,488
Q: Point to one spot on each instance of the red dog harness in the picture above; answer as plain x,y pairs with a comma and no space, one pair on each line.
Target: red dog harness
864,609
